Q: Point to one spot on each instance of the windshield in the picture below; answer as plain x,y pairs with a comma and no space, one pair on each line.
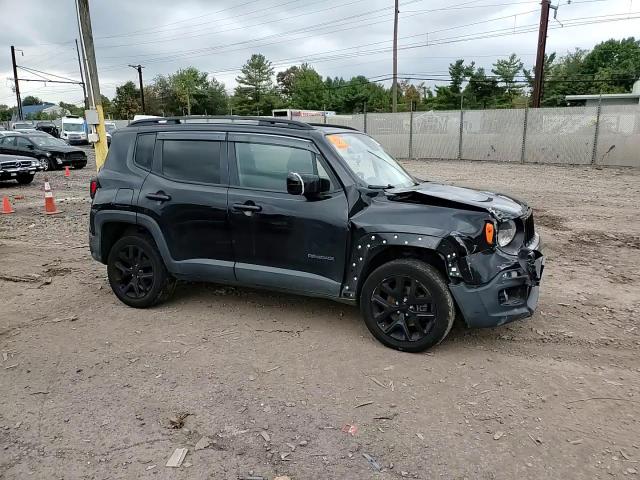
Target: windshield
366,158
47,141
73,127
110,127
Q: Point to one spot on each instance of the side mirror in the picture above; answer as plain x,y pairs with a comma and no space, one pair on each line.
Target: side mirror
31,146
306,184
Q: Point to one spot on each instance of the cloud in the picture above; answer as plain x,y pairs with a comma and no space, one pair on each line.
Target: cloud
338,37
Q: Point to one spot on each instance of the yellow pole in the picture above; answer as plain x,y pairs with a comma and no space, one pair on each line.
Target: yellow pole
101,147
84,23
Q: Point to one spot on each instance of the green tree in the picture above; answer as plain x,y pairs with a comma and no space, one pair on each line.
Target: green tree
285,80
481,91
187,83
31,100
107,107
307,89
614,65
507,70
72,109
449,97
256,93
411,94
164,100
5,113
126,103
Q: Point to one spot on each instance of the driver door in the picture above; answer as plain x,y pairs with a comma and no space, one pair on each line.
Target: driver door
283,241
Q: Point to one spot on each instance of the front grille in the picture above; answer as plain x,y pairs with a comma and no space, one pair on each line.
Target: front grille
529,229
75,156
15,164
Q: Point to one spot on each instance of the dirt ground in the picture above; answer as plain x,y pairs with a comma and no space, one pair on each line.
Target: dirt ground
89,386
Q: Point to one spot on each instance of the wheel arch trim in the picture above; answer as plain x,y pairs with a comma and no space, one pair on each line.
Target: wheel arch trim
369,247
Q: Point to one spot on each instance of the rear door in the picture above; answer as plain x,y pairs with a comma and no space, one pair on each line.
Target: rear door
186,193
280,240
8,145
25,147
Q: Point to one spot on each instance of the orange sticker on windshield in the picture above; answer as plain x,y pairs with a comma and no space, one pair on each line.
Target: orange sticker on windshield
338,141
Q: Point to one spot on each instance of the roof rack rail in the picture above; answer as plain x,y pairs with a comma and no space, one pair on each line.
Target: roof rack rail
335,125
234,119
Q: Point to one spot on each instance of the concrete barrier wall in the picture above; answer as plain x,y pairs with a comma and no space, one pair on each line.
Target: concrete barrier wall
609,135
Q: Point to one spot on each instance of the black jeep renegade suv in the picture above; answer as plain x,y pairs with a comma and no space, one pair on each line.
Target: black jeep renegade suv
311,209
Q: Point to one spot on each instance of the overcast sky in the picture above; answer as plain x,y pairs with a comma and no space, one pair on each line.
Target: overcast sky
338,37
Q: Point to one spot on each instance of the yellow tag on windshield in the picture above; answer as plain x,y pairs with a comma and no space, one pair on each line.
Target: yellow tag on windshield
338,141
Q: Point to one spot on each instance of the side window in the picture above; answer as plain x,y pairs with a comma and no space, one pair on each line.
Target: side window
22,142
144,150
191,160
266,166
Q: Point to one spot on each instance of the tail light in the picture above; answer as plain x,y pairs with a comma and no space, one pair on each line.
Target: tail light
93,187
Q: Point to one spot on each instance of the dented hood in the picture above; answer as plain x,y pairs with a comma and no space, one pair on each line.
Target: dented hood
499,205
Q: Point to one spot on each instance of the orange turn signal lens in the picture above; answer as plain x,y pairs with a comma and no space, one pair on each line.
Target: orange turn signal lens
489,232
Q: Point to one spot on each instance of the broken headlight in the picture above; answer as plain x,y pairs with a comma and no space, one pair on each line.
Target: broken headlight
506,232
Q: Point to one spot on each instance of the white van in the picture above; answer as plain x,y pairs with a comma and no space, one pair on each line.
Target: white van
74,130
110,127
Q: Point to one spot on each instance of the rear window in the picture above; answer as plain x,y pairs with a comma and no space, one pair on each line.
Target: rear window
144,150
191,160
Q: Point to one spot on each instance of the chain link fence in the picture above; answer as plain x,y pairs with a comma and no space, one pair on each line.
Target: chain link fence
605,135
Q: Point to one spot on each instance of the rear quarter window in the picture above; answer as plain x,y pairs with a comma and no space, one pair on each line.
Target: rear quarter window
144,150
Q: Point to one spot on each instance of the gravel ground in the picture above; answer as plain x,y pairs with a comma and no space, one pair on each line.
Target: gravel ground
90,386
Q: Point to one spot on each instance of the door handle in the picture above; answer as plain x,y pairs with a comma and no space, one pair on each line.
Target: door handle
243,207
159,196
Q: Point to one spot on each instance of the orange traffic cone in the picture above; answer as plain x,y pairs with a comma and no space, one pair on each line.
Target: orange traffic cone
67,172
49,202
6,205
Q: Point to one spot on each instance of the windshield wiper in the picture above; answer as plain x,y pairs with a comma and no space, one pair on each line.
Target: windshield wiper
380,187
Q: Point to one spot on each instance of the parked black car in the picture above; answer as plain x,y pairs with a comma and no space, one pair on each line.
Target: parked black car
48,127
52,153
314,210
21,169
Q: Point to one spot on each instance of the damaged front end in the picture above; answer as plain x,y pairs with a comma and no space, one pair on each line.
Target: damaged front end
495,287
492,282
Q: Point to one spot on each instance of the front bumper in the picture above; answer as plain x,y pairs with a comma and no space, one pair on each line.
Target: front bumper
12,173
510,295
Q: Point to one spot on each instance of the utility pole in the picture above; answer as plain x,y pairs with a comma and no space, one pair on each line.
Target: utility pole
86,39
15,80
394,105
542,45
139,69
84,88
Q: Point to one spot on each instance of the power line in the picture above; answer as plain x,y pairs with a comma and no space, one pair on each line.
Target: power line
280,39
442,41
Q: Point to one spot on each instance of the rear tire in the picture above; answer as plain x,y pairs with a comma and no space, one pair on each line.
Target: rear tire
25,179
136,272
406,305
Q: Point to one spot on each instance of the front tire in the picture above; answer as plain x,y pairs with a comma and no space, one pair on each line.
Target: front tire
44,162
25,179
136,272
406,305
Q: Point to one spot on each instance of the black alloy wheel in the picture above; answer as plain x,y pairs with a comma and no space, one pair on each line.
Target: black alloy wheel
403,308
44,162
406,305
134,277
136,272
